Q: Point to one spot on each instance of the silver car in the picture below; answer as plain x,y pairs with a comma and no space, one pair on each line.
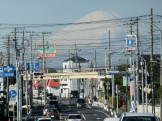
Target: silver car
138,117
44,119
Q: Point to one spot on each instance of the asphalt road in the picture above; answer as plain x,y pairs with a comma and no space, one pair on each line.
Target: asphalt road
68,106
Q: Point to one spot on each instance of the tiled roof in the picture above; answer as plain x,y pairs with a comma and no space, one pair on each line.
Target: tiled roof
52,83
78,59
49,83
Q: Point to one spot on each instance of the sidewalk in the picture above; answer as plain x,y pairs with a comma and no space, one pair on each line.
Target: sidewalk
115,114
106,108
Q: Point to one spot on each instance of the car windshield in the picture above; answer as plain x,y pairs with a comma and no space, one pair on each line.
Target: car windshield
44,120
53,102
53,97
139,118
48,106
81,101
49,94
52,110
74,117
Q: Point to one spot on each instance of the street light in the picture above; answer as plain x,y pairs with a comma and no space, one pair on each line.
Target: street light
145,84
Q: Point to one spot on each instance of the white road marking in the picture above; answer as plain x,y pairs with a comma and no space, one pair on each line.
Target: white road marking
100,111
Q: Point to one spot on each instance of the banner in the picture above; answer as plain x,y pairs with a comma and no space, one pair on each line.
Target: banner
131,88
49,50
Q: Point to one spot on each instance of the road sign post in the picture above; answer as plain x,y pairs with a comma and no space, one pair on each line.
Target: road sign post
12,94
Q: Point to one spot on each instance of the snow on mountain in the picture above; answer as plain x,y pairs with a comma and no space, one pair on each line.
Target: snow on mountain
86,31
73,33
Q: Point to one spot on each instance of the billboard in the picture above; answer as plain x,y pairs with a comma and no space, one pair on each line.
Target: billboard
49,50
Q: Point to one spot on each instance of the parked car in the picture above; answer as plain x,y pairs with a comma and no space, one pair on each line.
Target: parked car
74,117
138,117
81,103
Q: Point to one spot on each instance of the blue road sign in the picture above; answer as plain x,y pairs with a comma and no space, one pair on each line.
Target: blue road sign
130,42
8,71
35,66
29,89
12,93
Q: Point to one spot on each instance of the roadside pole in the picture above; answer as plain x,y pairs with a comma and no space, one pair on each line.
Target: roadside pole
17,80
117,88
31,74
27,109
107,93
43,70
142,86
113,92
160,75
134,80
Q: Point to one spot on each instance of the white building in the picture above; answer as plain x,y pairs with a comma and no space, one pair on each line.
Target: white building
80,84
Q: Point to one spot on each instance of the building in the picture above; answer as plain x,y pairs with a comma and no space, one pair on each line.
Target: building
75,65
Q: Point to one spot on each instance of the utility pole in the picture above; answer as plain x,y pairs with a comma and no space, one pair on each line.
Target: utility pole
151,61
44,70
76,55
17,76
96,81
105,71
126,107
131,31
142,85
160,74
137,64
105,62
95,59
109,52
1,63
134,79
31,73
8,63
22,66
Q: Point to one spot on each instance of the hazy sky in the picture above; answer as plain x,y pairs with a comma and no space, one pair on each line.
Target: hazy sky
69,11
62,11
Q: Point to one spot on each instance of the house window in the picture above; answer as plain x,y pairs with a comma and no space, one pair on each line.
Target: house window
65,66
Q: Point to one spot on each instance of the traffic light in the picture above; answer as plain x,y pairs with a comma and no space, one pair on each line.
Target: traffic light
12,80
77,70
38,74
110,88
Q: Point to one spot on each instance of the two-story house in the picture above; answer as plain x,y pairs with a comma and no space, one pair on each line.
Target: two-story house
75,64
